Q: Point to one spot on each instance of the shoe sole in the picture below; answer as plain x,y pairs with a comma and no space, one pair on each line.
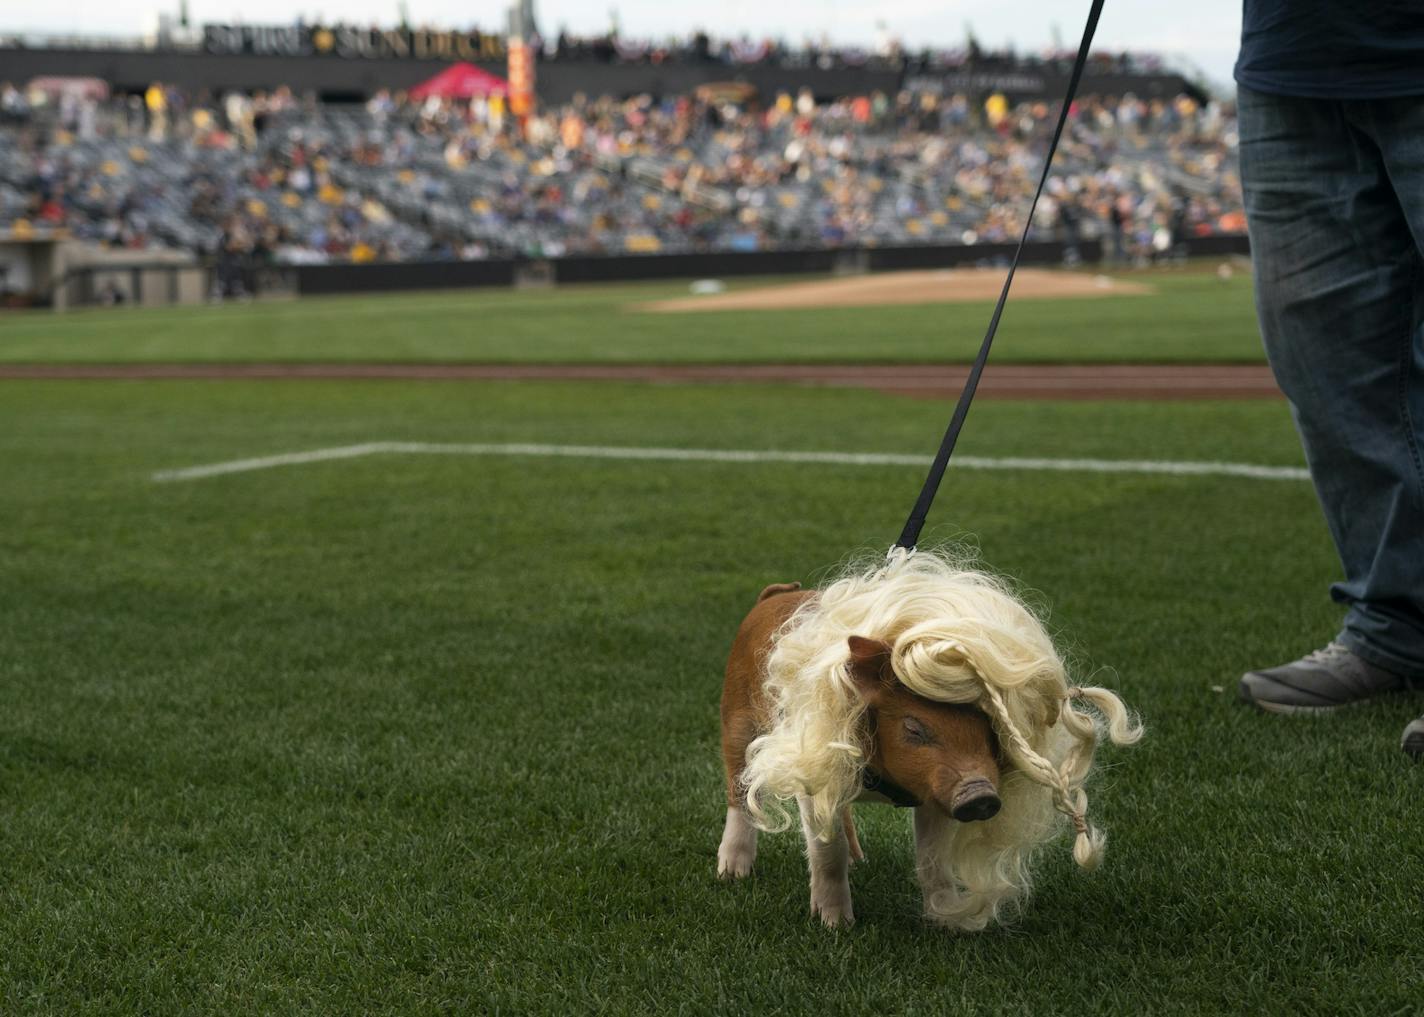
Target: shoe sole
1413,744
1291,708
1317,710
1299,711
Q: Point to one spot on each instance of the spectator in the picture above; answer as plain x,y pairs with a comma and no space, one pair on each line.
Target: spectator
156,102
678,173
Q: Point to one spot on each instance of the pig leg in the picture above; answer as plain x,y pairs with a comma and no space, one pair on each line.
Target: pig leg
739,845
829,862
738,851
856,854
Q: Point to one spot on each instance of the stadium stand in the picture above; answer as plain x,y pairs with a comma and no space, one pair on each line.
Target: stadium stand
300,182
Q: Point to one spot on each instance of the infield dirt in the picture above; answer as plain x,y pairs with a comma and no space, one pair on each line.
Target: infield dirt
935,286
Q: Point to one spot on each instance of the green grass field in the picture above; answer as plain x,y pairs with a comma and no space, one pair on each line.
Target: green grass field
438,734
1192,317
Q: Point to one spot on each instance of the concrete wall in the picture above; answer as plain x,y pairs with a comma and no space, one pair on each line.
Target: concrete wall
324,279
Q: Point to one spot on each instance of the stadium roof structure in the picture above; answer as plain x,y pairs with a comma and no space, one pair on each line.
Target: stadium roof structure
461,81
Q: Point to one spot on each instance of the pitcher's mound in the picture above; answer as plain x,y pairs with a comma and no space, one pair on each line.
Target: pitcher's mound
934,286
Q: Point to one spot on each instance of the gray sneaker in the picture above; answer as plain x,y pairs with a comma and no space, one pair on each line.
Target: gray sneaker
1413,740
1319,682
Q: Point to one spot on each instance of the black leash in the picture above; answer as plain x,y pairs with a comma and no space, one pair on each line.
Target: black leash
911,533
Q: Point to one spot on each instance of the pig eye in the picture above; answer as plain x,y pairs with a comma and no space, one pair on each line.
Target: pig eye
917,733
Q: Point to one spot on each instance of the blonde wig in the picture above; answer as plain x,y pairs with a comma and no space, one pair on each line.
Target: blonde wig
958,636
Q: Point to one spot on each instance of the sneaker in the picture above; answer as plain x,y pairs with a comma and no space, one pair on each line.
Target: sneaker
1413,740
1319,682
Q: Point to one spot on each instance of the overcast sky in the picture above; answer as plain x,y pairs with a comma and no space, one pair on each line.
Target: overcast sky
1203,32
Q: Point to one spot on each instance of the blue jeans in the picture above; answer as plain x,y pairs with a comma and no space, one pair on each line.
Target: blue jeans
1335,205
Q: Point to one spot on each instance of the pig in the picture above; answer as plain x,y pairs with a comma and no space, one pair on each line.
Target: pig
940,759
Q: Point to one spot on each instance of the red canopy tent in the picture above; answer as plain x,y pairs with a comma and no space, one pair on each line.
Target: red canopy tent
461,81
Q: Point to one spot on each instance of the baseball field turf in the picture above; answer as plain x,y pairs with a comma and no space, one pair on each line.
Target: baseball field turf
1189,316
433,728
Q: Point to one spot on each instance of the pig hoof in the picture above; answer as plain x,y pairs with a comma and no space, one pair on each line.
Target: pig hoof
833,905
735,862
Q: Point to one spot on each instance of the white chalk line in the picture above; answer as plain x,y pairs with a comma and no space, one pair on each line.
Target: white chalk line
1135,466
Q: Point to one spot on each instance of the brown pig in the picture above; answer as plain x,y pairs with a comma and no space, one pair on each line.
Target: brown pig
940,759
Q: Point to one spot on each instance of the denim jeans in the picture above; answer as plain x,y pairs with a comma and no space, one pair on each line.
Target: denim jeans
1335,206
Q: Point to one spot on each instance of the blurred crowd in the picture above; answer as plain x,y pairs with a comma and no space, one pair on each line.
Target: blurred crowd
285,179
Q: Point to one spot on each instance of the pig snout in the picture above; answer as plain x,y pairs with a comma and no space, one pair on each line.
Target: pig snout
974,799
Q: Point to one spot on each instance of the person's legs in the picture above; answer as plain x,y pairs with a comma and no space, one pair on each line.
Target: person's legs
1396,584
1340,297
1398,128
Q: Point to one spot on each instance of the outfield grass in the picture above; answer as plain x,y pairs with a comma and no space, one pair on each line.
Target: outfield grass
438,734
1192,317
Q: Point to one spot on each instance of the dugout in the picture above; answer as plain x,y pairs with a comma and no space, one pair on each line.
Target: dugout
52,270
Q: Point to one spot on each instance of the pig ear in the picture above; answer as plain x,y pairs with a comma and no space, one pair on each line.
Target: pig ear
870,666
